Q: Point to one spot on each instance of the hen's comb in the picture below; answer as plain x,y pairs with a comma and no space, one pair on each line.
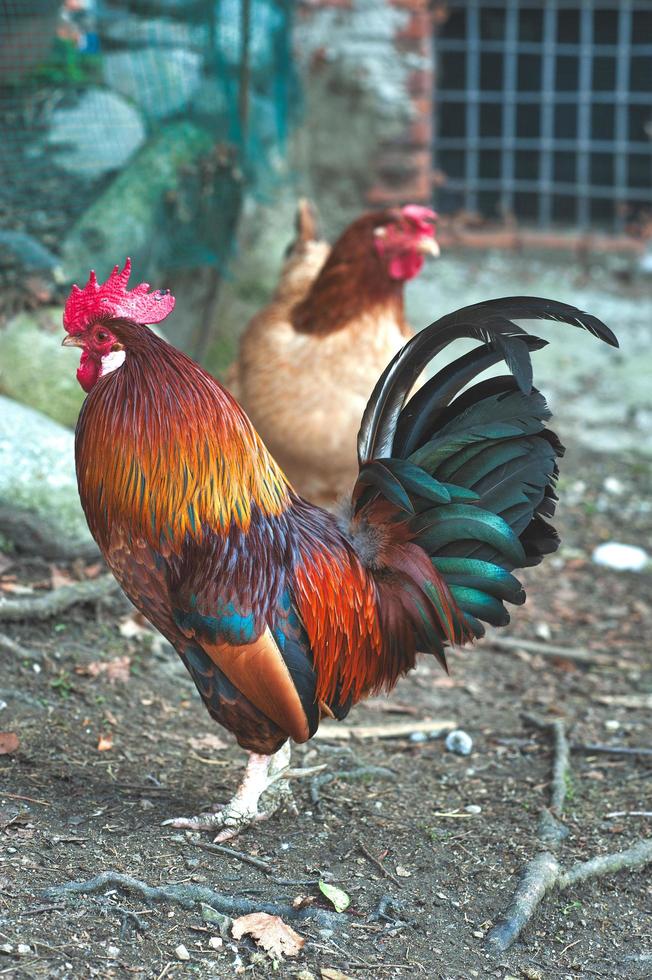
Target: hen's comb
423,217
112,298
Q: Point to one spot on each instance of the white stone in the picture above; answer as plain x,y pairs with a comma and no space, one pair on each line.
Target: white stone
459,742
97,134
621,557
181,952
162,81
37,477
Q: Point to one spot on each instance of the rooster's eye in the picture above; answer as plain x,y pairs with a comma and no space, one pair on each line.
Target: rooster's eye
102,336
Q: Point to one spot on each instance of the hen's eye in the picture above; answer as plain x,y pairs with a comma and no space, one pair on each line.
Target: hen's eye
102,335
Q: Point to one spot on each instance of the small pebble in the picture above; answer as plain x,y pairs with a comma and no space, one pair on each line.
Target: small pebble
6,948
215,942
418,737
112,951
613,485
479,934
181,952
612,724
622,557
543,632
473,808
23,949
459,742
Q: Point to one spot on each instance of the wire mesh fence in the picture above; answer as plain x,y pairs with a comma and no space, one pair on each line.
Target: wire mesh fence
150,114
544,111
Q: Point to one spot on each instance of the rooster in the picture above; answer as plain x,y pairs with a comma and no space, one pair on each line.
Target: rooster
282,612
309,360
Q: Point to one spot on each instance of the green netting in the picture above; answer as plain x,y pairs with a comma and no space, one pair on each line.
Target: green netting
183,101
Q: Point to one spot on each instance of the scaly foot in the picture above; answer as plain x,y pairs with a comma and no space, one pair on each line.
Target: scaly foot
263,788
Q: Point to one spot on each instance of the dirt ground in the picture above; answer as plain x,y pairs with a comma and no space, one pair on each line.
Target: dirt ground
100,765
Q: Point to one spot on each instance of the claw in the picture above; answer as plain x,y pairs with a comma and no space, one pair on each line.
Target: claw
262,790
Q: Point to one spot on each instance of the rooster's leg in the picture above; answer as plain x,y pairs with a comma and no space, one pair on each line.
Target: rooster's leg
263,788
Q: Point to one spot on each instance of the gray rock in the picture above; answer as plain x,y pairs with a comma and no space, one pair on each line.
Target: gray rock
459,742
131,31
162,81
98,134
27,250
124,219
36,370
39,504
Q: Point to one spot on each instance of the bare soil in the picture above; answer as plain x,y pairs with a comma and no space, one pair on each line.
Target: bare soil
100,765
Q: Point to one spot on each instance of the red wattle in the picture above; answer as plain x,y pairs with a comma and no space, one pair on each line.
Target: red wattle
88,371
406,265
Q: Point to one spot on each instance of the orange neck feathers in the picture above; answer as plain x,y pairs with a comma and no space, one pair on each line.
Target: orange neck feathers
354,282
163,448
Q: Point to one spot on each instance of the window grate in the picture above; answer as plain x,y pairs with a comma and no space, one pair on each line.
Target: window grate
544,111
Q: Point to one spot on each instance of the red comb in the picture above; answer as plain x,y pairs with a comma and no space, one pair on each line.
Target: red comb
112,298
421,215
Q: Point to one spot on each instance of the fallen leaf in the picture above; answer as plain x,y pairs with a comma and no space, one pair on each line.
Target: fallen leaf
269,931
332,973
15,588
116,671
303,901
105,743
9,742
338,898
207,742
134,626
59,577
92,571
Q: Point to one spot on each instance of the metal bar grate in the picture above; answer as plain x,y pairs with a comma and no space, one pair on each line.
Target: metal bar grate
544,111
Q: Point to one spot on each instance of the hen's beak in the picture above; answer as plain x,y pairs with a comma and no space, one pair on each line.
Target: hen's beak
71,341
429,247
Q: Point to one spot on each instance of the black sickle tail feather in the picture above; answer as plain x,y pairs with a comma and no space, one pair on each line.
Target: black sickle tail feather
474,473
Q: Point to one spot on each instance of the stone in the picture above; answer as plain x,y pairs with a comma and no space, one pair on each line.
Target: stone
45,378
97,134
459,742
181,952
39,504
129,30
621,557
26,250
162,81
124,219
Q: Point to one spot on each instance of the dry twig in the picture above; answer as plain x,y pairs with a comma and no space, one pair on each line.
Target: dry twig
379,864
335,732
577,654
361,772
543,872
55,602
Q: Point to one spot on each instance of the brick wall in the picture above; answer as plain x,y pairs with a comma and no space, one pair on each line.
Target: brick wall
367,69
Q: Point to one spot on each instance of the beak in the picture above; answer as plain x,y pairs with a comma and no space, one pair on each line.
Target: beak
71,341
429,247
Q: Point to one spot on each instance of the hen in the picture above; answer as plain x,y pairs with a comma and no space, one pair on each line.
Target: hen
309,360
282,612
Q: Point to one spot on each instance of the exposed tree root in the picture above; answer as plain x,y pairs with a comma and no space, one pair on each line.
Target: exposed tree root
32,535
55,602
187,896
544,873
